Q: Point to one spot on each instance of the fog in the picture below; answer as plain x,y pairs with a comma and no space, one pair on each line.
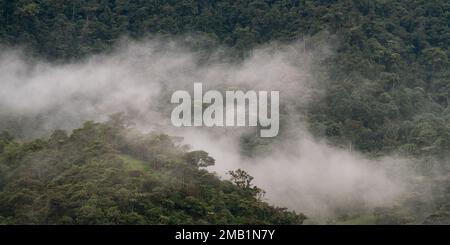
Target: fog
299,171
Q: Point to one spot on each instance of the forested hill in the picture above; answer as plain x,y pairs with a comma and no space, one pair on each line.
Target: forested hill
109,174
387,91
383,32
388,82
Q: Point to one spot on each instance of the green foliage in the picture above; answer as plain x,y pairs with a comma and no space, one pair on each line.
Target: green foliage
244,181
110,174
390,66
199,158
387,90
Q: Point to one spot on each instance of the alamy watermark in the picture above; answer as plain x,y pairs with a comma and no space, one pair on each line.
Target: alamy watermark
235,109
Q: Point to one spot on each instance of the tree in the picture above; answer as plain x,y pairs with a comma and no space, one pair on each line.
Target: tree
199,158
244,181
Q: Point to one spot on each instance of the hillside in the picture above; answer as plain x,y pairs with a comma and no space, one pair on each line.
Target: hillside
100,174
383,90
387,82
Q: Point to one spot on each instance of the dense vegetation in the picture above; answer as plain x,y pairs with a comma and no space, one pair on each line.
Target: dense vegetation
109,174
388,82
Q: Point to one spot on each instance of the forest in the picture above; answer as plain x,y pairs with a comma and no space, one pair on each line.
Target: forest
101,175
383,90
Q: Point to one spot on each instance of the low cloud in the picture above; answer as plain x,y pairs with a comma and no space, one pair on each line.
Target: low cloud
298,171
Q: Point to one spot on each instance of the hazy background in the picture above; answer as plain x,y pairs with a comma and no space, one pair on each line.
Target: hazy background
298,171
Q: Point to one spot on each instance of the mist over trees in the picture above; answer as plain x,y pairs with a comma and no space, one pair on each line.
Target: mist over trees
384,90
100,174
389,71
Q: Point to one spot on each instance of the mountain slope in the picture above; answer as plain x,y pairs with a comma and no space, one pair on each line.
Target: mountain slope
102,175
